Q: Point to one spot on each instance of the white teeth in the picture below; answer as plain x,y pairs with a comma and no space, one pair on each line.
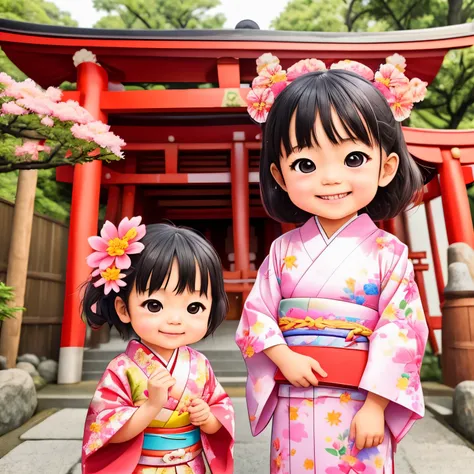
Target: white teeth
334,196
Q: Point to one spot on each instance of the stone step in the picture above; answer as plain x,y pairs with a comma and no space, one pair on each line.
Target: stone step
212,355
217,364
79,395
228,373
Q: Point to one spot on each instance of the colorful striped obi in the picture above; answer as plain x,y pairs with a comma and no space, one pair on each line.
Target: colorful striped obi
328,318
170,446
335,333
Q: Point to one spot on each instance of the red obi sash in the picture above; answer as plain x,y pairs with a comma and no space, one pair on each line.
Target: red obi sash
344,367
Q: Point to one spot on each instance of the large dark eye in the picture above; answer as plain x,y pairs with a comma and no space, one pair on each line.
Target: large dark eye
154,306
303,165
356,159
195,308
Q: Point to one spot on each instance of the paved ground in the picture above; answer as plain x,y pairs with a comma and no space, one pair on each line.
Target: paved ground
53,446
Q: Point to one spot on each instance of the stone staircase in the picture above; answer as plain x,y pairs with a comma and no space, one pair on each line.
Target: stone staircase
224,356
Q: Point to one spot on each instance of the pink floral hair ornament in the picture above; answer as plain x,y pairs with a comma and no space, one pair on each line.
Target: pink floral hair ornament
112,250
400,92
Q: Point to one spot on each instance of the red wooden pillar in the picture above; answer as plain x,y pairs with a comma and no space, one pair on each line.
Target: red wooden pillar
457,214
92,80
129,190
239,169
113,200
434,251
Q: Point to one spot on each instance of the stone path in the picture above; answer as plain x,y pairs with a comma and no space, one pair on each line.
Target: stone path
54,447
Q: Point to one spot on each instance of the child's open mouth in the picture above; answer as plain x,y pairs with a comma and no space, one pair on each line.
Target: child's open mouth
334,197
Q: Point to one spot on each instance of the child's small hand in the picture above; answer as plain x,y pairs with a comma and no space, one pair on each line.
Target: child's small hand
299,369
367,428
158,387
199,412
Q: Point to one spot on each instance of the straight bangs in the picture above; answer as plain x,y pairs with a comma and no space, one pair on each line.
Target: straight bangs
154,269
311,96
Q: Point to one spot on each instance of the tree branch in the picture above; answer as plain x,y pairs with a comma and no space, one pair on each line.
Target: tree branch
139,17
392,14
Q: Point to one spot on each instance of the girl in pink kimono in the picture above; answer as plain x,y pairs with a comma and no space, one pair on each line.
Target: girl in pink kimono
333,331
158,408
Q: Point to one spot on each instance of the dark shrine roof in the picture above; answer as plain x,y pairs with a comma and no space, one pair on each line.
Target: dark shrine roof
428,34
190,56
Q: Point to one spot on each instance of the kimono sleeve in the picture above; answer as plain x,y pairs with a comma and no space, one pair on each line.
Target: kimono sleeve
397,346
219,446
258,330
110,409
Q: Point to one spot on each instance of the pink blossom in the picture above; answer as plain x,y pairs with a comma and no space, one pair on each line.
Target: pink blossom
398,61
355,67
38,105
303,67
32,147
259,103
265,60
115,245
21,90
278,87
387,93
54,94
99,133
401,103
5,79
112,279
71,111
269,75
13,108
47,121
418,89
336,445
390,76
296,433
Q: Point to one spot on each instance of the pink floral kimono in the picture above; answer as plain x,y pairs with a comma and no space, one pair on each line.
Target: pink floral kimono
307,287
171,444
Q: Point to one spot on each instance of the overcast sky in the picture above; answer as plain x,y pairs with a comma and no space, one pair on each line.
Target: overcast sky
261,11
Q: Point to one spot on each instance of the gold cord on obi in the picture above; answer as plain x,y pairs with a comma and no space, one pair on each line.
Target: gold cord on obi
357,329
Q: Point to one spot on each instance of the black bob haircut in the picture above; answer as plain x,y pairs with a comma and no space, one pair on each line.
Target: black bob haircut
163,244
365,115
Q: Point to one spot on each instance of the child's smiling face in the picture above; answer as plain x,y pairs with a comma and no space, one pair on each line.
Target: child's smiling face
165,319
334,181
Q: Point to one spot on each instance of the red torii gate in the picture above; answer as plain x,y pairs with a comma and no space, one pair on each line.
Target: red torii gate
226,58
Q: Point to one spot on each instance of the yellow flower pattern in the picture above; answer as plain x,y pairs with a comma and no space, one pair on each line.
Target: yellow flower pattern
334,418
293,413
290,262
308,464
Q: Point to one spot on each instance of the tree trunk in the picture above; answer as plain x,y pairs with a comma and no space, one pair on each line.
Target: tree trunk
454,12
18,261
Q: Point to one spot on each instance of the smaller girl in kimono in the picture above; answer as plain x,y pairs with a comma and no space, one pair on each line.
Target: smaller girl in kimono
333,331
158,407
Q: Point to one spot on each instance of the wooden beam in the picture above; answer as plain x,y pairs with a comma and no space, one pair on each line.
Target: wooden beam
175,100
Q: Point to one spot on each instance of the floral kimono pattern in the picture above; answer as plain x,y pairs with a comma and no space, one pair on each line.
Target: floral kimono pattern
307,291
123,388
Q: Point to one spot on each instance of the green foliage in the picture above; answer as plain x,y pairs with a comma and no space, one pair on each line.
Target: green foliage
430,369
159,14
6,295
470,195
39,11
52,199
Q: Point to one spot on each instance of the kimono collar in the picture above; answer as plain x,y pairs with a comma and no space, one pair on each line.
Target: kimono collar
147,359
314,238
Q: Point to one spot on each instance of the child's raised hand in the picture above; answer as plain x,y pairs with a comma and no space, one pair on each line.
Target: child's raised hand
158,387
199,412
367,427
298,369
